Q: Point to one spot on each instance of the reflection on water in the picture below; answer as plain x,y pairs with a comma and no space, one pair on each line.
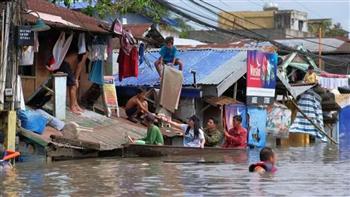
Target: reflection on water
303,171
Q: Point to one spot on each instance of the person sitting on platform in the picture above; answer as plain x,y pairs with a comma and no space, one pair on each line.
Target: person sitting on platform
168,55
154,135
267,162
193,135
236,137
310,77
137,106
213,137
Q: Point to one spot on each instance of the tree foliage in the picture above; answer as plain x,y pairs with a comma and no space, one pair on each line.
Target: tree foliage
103,8
328,30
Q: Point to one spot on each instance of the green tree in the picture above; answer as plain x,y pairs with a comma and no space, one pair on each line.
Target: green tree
336,30
103,8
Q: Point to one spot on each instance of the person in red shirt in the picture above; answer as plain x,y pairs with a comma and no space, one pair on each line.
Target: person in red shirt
236,137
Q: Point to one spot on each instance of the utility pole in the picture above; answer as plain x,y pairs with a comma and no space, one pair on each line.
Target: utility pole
9,59
320,47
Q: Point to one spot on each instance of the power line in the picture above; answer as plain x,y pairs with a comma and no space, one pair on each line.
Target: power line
271,41
315,42
177,9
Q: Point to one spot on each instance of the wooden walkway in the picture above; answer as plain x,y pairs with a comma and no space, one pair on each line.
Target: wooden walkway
110,133
98,136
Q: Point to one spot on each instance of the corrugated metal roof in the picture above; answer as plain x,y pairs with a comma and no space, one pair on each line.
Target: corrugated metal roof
334,44
60,17
210,65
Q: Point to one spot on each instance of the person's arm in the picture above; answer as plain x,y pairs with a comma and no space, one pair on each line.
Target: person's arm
80,67
139,104
202,138
259,169
175,55
212,139
235,140
172,123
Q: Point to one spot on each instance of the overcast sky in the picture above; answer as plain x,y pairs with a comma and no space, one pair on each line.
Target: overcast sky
338,10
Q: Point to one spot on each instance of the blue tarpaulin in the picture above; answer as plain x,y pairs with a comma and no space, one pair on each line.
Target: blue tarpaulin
344,127
203,61
257,127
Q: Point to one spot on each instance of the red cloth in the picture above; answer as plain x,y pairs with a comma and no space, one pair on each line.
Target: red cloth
128,64
237,138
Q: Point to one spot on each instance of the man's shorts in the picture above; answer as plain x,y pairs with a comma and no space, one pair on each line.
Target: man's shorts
65,67
130,112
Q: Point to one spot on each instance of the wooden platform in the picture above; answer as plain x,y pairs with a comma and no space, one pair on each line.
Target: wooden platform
110,133
99,135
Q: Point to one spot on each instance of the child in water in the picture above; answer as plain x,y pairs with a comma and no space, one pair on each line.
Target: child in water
267,162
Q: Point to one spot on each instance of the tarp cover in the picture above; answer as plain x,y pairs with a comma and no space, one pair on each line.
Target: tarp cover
279,118
257,126
235,109
310,104
344,127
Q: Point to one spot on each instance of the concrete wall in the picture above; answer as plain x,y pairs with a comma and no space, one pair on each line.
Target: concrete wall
263,18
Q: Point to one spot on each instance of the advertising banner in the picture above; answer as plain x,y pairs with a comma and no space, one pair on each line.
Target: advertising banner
261,77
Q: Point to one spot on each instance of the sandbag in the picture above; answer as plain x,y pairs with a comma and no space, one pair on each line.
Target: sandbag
32,121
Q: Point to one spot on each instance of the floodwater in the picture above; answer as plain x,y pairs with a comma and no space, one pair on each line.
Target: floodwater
319,170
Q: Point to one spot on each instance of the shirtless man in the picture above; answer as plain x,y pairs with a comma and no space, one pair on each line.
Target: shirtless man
136,106
72,59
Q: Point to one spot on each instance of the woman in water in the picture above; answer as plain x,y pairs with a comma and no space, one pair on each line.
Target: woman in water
193,135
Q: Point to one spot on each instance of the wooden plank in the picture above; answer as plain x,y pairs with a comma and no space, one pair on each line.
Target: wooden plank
33,137
28,86
11,130
75,142
164,150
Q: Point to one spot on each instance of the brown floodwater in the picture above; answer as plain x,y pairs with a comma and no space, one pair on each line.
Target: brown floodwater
319,170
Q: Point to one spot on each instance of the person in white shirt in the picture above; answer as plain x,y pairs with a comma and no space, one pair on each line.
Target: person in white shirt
193,134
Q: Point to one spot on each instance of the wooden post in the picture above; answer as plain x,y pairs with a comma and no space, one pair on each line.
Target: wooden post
235,91
320,48
10,141
60,89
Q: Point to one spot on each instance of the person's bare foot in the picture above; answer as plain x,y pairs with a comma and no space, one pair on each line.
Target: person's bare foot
79,108
75,111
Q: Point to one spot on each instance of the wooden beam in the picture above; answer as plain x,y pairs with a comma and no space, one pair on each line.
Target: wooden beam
75,142
11,130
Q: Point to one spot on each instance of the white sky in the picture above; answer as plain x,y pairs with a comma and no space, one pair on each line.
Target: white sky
338,10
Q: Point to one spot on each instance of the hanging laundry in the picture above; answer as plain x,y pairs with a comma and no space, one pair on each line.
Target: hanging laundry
128,64
141,53
81,43
310,104
19,95
36,42
97,72
27,56
98,49
333,83
60,50
127,42
117,27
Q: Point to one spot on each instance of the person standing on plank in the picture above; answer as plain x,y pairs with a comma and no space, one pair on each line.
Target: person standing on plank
168,55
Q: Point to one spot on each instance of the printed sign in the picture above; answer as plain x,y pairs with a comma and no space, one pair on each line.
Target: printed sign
110,95
261,77
25,36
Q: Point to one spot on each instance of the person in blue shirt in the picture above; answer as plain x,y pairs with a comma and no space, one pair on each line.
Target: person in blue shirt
168,55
